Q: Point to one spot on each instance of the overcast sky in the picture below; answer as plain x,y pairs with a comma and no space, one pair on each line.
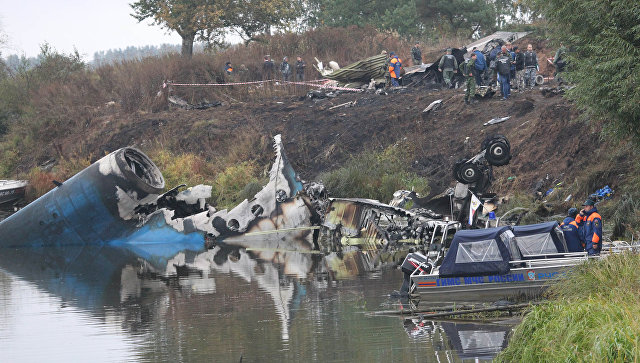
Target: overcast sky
89,25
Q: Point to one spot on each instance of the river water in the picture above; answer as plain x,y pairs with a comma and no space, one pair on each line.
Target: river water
104,304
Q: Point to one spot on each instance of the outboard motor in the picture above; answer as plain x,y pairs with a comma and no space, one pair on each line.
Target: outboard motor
411,263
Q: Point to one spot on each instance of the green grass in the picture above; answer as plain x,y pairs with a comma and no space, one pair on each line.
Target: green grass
593,315
375,175
231,182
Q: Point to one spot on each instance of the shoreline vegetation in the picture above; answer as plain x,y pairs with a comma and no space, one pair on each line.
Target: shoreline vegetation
593,314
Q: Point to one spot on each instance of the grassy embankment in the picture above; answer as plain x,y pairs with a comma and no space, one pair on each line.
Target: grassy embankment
593,315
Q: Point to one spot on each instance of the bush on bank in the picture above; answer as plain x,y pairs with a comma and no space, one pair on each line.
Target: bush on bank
375,175
593,315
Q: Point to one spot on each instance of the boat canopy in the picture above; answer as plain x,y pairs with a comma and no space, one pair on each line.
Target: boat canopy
477,252
540,239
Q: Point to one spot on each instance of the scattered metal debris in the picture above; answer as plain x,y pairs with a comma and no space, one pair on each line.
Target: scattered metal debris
433,106
374,233
494,121
360,71
321,94
554,91
346,104
177,101
485,92
488,43
333,66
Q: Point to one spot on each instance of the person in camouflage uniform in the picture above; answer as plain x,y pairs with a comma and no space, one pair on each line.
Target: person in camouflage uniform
469,71
448,66
416,53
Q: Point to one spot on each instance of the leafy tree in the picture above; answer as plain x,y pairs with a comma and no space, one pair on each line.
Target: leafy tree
397,16
254,17
189,18
4,69
55,66
4,39
604,61
209,21
403,18
414,18
458,17
343,13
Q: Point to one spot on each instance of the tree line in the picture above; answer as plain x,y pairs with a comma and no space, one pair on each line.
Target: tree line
211,21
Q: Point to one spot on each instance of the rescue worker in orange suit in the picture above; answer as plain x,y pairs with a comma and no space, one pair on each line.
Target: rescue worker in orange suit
395,65
569,228
228,68
592,227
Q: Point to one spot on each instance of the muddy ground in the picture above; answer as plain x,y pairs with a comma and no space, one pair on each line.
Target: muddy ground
545,138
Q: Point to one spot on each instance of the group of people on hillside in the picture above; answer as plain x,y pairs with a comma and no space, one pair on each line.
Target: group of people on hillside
507,65
583,229
268,68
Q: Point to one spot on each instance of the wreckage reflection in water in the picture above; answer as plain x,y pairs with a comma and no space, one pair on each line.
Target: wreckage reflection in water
220,304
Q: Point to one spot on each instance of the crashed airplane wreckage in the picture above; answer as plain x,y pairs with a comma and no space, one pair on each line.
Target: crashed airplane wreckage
362,234
118,202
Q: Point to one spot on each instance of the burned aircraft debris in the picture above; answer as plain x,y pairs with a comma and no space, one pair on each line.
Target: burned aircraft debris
496,120
203,105
433,106
485,92
473,174
497,39
374,233
361,71
118,200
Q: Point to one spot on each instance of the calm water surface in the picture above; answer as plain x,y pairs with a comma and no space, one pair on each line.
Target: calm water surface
102,304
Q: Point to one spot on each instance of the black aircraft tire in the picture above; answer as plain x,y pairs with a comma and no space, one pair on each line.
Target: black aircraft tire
497,137
456,170
498,153
469,173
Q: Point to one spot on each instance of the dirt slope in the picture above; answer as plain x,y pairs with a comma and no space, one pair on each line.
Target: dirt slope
544,137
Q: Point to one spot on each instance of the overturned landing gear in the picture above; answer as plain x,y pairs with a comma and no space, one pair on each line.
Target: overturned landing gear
466,172
496,151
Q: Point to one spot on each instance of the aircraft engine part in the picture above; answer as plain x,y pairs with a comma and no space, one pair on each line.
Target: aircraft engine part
94,206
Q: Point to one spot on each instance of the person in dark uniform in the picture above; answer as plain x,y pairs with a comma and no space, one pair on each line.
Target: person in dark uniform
592,222
416,53
569,228
267,68
503,66
300,66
